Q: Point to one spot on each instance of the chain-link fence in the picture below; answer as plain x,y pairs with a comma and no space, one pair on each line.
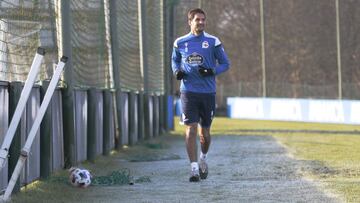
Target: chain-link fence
88,46
24,26
128,44
110,43
154,30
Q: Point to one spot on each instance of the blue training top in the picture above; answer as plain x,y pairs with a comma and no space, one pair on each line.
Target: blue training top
189,52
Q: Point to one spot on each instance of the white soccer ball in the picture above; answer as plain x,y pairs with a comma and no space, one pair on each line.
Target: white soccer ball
80,177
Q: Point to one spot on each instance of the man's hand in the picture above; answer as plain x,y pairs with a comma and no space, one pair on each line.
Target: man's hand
204,72
180,74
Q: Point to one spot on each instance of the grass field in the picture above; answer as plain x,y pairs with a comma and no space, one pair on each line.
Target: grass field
330,152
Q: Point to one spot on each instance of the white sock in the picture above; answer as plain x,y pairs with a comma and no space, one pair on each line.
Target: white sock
203,156
194,166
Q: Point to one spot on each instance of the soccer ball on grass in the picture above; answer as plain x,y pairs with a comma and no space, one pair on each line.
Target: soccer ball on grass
79,177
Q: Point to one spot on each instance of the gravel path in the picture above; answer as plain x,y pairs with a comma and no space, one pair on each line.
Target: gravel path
242,169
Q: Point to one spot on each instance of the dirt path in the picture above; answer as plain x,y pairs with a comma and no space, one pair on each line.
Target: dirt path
242,169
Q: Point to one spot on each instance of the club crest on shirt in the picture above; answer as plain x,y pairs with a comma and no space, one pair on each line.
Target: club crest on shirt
194,59
205,44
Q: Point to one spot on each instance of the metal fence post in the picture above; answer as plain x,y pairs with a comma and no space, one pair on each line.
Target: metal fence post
338,47
262,48
95,128
141,116
45,137
65,16
109,129
142,43
115,69
15,147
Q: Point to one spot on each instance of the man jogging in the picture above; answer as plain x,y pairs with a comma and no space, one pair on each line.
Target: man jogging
196,59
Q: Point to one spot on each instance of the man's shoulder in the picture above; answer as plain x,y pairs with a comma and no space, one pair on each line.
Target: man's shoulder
216,40
181,39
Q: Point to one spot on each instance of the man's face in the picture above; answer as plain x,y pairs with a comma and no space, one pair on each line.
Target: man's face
197,24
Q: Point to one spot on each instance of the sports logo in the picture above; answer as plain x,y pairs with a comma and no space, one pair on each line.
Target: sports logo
205,44
194,59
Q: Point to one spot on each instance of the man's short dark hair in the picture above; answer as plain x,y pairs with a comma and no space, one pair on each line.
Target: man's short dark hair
195,11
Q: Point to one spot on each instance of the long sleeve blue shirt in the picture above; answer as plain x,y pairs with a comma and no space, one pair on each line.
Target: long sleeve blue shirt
190,52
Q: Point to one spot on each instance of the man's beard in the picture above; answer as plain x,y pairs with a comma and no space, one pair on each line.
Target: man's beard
200,28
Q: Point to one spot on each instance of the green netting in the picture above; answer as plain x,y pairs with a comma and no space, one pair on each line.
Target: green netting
118,177
89,53
154,44
127,24
24,26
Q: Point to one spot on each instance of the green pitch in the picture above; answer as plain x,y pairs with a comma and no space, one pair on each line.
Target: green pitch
331,151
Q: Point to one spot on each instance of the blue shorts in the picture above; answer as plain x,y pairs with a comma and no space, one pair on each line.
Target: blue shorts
198,108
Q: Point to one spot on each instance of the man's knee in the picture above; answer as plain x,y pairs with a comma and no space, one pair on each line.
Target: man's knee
191,129
205,131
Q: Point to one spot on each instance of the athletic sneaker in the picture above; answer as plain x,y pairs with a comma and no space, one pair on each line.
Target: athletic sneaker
203,168
194,176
